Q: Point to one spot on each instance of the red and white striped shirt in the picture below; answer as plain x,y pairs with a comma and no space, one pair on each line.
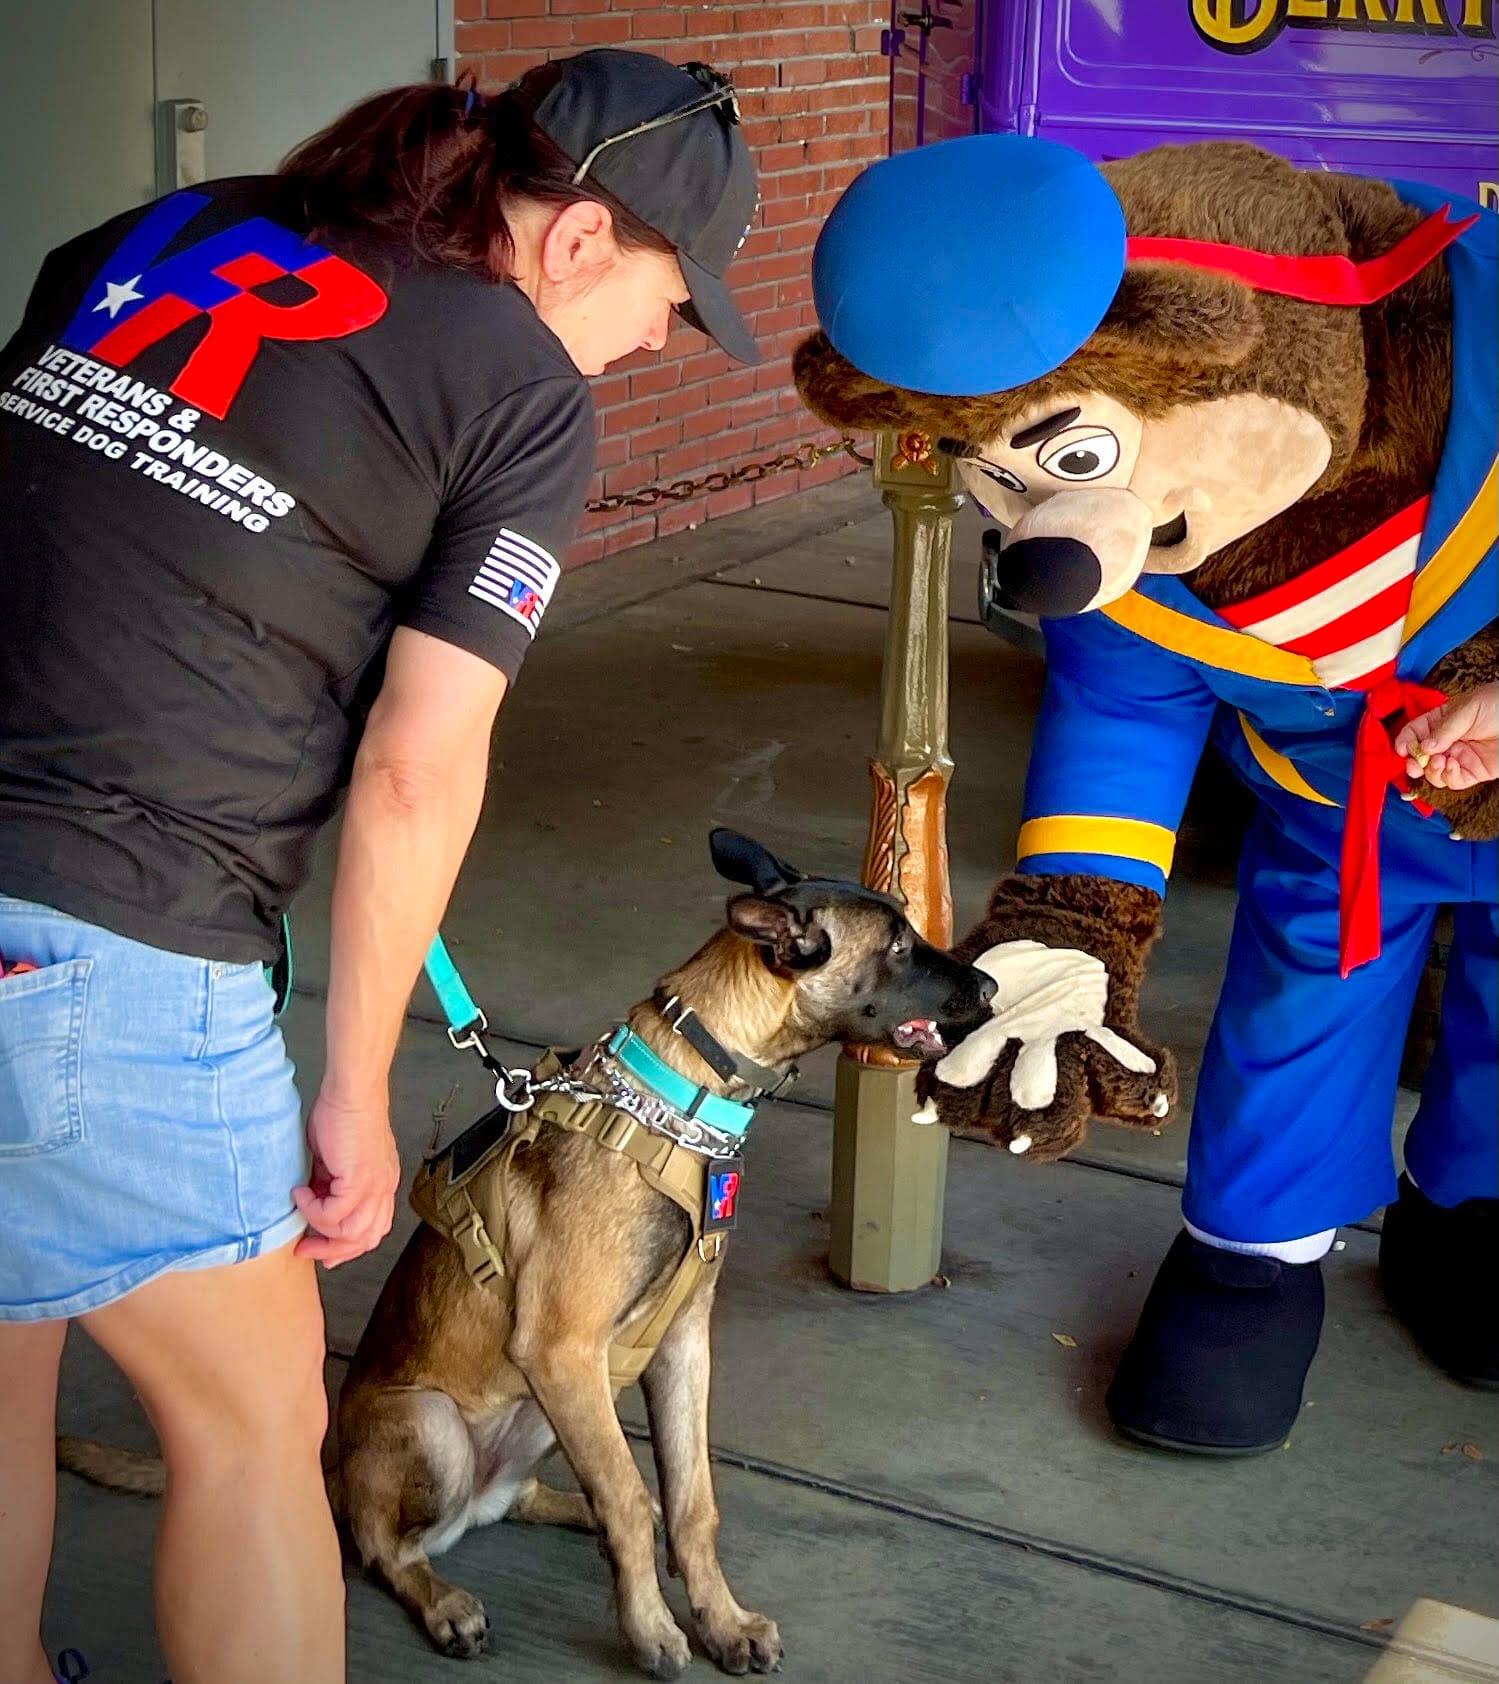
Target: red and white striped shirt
1347,615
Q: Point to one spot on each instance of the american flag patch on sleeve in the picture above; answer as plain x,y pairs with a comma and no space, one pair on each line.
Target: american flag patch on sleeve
517,577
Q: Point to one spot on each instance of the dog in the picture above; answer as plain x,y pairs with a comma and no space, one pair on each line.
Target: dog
456,1393
458,1389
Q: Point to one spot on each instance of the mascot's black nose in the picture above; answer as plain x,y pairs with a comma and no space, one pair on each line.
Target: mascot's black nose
1050,577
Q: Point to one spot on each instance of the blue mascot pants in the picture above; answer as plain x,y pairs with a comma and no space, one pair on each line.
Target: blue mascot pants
1291,1133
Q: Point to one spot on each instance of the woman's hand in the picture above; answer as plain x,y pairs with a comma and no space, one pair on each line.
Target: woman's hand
1456,745
356,1172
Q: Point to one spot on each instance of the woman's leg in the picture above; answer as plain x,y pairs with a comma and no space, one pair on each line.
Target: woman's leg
29,1355
229,1365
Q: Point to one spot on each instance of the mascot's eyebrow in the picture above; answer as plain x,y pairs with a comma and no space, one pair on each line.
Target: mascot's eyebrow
1039,431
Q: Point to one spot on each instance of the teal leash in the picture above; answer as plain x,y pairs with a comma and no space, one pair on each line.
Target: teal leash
514,1089
458,1005
467,1027
278,974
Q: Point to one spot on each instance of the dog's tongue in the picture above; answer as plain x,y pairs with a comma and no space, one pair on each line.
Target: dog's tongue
920,1034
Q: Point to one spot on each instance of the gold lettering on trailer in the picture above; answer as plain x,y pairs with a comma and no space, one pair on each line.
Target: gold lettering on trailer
1248,26
1229,24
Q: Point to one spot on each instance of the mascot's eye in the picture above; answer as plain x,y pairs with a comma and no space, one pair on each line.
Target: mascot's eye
1001,476
1081,453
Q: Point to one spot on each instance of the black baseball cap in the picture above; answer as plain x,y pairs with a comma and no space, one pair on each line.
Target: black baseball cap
664,140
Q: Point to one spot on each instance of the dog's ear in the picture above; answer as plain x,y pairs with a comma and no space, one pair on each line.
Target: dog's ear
742,860
797,943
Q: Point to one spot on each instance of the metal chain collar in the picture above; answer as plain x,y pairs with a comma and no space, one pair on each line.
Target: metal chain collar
660,1118
805,456
518,1090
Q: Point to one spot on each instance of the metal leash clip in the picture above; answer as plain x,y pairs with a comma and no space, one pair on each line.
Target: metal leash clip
514,1090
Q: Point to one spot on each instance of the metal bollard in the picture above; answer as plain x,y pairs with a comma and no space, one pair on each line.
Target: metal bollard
890,1174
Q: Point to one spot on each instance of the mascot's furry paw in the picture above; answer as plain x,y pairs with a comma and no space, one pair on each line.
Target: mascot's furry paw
1090,1083
1063,1044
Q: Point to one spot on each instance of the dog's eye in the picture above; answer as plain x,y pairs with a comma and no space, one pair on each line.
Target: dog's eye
898,946
1081,453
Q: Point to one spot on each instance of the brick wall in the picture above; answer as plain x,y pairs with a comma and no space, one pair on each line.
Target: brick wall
813,88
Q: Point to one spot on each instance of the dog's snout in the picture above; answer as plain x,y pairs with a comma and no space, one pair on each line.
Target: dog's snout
1048,576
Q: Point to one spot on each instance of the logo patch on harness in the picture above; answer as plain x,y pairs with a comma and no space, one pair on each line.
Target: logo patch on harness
721,1204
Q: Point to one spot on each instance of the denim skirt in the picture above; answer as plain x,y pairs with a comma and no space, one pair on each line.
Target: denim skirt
149,1117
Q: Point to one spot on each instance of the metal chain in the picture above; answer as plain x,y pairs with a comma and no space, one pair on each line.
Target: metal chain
518,1090
805,456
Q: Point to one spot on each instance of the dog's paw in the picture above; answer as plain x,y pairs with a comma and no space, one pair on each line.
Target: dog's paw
750,1643
660,1645
458,1625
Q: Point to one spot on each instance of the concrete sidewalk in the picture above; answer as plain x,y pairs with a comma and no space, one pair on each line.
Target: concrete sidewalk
920,1488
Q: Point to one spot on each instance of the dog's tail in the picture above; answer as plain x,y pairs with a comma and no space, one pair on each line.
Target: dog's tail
115,1469
140,1475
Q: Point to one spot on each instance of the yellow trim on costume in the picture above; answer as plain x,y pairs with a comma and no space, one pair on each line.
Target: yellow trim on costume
1455,560
1276,766
1213,646
1080,833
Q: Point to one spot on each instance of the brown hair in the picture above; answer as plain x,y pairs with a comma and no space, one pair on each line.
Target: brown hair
434,164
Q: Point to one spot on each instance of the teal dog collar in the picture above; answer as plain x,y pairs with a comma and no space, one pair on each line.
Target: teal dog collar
728,1116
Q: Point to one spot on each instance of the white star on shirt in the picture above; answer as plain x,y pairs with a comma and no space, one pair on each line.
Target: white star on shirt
117,294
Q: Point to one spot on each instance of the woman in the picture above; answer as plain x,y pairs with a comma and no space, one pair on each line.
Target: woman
286,465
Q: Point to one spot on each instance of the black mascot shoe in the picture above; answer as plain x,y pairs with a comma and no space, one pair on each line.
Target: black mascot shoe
1439,1268
1218,1361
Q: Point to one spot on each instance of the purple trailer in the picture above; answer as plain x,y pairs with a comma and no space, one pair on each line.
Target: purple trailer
1397,88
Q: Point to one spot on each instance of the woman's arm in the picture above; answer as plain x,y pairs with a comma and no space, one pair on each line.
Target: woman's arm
414,800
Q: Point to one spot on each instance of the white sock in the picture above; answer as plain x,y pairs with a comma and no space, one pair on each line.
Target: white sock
1305,1250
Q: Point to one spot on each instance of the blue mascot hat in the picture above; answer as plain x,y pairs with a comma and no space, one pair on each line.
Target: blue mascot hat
970,266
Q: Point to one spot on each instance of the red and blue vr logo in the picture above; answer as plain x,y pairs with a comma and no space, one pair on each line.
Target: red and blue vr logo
134,301
725,1178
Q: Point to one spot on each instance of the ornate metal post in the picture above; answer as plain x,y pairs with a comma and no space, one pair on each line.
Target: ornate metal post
890,1174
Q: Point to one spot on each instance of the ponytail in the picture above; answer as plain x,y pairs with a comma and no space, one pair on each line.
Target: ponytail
433,165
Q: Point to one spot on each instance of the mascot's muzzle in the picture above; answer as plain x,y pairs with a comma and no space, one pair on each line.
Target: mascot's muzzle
1075,551
1049,577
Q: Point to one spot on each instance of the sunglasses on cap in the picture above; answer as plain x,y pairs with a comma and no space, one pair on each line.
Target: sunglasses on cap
720,96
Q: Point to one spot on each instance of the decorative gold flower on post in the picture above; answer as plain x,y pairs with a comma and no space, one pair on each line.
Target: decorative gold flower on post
914,450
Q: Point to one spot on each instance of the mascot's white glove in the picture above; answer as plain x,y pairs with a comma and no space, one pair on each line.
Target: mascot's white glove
1043,993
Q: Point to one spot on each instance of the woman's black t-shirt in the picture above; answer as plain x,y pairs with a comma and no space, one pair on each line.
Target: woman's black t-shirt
233,459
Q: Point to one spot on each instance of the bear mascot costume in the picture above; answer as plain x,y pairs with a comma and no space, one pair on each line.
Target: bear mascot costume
1238,422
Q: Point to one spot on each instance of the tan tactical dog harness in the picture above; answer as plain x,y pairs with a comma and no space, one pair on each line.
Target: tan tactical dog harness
471,1207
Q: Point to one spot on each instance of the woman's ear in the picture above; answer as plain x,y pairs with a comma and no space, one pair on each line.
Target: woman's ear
578,240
